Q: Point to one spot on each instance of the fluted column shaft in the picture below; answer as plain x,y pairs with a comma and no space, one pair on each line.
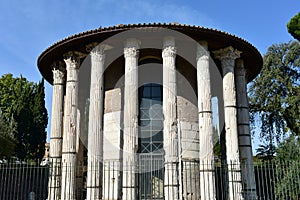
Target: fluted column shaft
130,135
56,131
207,178
245,144
170,134
227,57
69,162
95,131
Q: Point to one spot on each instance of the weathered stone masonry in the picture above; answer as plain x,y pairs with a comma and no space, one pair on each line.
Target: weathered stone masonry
113,114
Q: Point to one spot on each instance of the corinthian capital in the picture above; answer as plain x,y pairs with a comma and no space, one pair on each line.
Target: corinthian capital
169,52
227,56
131,52
169,49
58,71
97,51
131,47
72,59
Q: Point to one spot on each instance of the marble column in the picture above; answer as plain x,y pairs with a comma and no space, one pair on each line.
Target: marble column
130,135
69,161
56,130
95,131
245,144
207,178
170,134
227,57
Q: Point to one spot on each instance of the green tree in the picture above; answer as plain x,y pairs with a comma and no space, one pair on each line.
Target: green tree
293,26
7,140
288,159
275,93
217,145
266,152
39,122
289,149
25,102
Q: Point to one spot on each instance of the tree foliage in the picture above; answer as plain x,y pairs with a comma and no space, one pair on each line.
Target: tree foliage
288,158
7,140
24,101
275,93
217,145
293,26
289,149
266,152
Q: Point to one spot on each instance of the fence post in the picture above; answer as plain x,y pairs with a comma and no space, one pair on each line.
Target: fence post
31,196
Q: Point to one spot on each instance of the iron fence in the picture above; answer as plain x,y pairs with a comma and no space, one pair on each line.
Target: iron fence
23,181
274,180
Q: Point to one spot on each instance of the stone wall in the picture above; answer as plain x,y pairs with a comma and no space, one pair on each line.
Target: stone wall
111,144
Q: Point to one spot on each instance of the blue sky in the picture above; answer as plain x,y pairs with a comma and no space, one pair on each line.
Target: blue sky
28,27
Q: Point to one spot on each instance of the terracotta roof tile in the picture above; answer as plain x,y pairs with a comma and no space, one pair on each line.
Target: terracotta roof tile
44,66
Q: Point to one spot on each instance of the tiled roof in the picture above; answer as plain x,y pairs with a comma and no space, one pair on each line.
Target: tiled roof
44,65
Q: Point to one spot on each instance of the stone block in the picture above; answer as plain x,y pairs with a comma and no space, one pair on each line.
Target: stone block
112,100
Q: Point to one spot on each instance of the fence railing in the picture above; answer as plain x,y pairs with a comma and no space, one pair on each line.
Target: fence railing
274,180
23,181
